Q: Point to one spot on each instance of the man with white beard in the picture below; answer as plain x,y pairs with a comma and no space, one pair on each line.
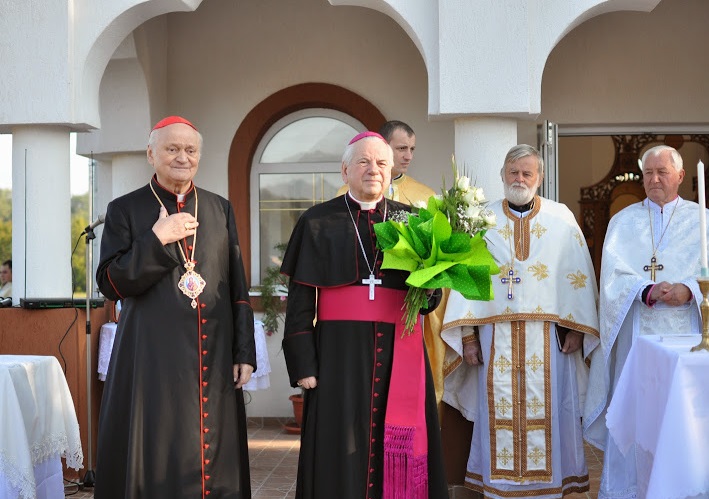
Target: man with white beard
514,365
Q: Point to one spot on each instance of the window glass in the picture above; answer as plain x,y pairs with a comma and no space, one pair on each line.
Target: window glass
309,140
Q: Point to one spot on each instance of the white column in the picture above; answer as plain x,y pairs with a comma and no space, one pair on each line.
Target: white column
130,171
41,213
480,147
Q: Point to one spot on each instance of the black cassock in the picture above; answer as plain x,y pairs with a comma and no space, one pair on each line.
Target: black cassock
171,424
341,453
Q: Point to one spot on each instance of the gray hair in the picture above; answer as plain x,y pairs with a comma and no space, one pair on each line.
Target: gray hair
522,151
152,139
675,157
348,155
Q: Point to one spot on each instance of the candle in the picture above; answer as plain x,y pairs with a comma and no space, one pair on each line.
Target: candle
702,217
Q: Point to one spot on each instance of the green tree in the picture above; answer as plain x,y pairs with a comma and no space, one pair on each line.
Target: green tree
79,220
5,224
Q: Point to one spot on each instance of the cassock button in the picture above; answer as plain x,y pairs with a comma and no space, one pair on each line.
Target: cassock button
372,454
182,205
374,425
379,350
371,485
379,364
204,368
204,336
206,461
190,247
381,274
207,477
376,395
202,305
205,415
206,446
204,399
207,492
374,440
204,321
204,383
371,470
379,335
374,409
377,379
206,430
204,352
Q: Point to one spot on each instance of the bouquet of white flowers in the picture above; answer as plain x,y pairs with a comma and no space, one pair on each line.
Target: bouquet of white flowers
441,245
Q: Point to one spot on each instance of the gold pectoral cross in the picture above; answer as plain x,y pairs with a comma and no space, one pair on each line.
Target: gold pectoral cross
653,267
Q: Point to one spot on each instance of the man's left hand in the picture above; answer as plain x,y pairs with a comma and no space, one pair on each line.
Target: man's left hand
242,374
573,342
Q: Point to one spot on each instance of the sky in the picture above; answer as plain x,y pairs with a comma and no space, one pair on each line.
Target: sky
79,166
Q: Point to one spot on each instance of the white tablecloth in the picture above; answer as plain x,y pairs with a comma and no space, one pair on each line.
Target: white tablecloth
105,347
37,425
661,404
260,380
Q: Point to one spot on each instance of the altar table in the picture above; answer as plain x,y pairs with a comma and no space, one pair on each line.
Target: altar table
38,426
661,404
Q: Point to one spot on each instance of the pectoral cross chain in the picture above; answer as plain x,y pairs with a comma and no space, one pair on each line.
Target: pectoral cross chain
510,281
372,282
653,267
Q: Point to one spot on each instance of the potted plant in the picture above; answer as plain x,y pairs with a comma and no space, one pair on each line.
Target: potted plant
274,291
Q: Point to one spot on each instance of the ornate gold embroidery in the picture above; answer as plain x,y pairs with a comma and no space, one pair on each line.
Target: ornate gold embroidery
504,456
578,237
505,269
503,364
535,363
535,405
570,318
538,230
503,406
539,270
538,310
536,455
505,232
578,280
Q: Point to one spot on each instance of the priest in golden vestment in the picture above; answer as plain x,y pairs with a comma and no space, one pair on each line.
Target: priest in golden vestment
514,365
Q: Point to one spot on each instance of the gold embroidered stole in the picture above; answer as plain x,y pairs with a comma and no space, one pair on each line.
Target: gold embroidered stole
519,402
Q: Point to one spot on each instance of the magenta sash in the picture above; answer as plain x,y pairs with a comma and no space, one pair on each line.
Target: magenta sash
405,437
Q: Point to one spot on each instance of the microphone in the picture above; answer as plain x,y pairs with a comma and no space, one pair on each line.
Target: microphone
101,218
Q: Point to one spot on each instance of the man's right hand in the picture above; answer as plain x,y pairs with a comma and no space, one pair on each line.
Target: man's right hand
174,227
308,383
472,353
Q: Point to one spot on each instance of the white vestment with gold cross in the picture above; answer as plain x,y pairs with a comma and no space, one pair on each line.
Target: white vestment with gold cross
526,398
673,231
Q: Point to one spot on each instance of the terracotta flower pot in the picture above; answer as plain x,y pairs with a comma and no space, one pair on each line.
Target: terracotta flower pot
297,400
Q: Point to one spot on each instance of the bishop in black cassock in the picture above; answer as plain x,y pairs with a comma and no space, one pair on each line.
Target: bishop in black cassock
172,425
370,425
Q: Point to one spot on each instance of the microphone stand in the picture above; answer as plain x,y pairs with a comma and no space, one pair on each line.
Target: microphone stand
90,476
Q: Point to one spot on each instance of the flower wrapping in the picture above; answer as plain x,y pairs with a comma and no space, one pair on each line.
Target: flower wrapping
441,245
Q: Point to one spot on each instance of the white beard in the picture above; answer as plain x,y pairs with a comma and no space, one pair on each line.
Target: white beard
519,194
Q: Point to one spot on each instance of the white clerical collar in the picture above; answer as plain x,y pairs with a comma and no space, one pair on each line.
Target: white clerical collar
364,205
180,197
656,207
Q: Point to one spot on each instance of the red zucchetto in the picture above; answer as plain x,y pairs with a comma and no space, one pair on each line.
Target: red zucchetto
362,135
171,120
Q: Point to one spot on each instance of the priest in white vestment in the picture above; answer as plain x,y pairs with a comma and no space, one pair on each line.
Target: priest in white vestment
514,365
651,258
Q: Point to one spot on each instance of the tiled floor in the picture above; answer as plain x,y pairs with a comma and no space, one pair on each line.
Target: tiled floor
274,461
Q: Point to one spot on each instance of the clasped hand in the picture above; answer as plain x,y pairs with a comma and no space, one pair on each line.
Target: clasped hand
671,294
174,227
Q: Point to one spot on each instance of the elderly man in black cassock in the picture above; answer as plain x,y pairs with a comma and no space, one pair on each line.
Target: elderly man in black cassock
172,422
370,425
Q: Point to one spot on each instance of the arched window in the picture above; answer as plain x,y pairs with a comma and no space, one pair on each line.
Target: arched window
296,165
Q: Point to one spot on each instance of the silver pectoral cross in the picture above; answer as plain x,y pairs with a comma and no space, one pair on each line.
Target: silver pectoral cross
372,282
510,281
653,267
